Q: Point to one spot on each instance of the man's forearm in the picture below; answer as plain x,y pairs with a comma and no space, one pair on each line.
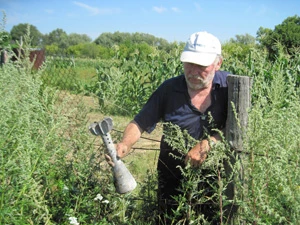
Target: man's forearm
132,134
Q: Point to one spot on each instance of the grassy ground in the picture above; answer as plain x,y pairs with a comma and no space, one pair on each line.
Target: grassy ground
142,158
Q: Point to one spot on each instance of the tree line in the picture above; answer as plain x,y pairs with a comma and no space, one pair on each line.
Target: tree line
81,45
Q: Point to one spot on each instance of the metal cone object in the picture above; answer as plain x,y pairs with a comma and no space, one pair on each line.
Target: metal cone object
124,181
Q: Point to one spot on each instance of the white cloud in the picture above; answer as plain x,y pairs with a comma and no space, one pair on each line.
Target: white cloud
92,10
159,9
175,9
109,11
96,11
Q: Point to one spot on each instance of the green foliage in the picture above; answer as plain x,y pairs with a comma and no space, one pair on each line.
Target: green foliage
273,142
246,39
18,31
4,36
60,73
287,34
75,39
52,49
255,62
24,143
118,38
271,169
205,185
264,36
90,50
234,55
57,37
48,172
51,172
125,85
126,50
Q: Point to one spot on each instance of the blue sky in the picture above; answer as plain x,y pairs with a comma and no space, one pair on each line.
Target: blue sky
173,20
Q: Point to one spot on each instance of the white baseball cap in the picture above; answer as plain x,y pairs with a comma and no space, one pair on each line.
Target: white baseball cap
202,48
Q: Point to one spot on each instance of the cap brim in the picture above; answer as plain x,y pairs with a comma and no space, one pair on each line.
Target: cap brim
203,59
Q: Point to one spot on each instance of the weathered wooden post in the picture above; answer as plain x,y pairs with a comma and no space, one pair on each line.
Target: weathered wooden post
3,57
239,100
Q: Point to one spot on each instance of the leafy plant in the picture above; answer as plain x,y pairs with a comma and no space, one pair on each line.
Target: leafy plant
203,187
125,85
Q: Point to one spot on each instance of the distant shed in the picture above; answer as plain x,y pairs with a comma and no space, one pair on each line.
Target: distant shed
36,55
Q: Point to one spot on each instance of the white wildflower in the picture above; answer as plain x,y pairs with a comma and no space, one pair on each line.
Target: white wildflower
65,188
98,197
73,221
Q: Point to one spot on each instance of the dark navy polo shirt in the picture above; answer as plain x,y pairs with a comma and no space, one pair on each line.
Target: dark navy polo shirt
171,103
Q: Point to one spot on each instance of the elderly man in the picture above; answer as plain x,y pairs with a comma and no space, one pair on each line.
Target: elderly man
185,100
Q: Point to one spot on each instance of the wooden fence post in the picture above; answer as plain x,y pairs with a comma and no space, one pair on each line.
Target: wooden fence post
239,100
3,57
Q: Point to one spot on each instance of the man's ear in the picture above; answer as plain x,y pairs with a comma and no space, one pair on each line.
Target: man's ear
218,66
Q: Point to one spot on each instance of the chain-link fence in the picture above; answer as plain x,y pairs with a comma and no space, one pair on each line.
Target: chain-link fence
61,73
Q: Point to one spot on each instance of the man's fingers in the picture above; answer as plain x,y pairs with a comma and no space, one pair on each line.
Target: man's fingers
192,162
109,161
107,157
195,162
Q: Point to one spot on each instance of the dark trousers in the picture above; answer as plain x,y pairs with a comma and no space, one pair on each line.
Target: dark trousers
169,185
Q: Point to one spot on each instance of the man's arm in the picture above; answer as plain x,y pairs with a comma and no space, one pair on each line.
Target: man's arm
131,135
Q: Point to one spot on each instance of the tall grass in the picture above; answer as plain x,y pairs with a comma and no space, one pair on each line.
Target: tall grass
26,137
50,170
273,141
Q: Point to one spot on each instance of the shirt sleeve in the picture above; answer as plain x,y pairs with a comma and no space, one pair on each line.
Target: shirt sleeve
152,111
221,78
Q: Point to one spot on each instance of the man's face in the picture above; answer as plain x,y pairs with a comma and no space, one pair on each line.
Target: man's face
199,77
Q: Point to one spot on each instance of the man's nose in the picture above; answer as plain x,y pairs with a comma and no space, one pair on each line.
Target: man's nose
197,68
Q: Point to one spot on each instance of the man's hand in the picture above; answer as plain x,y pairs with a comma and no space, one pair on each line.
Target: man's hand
197,154
121,150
